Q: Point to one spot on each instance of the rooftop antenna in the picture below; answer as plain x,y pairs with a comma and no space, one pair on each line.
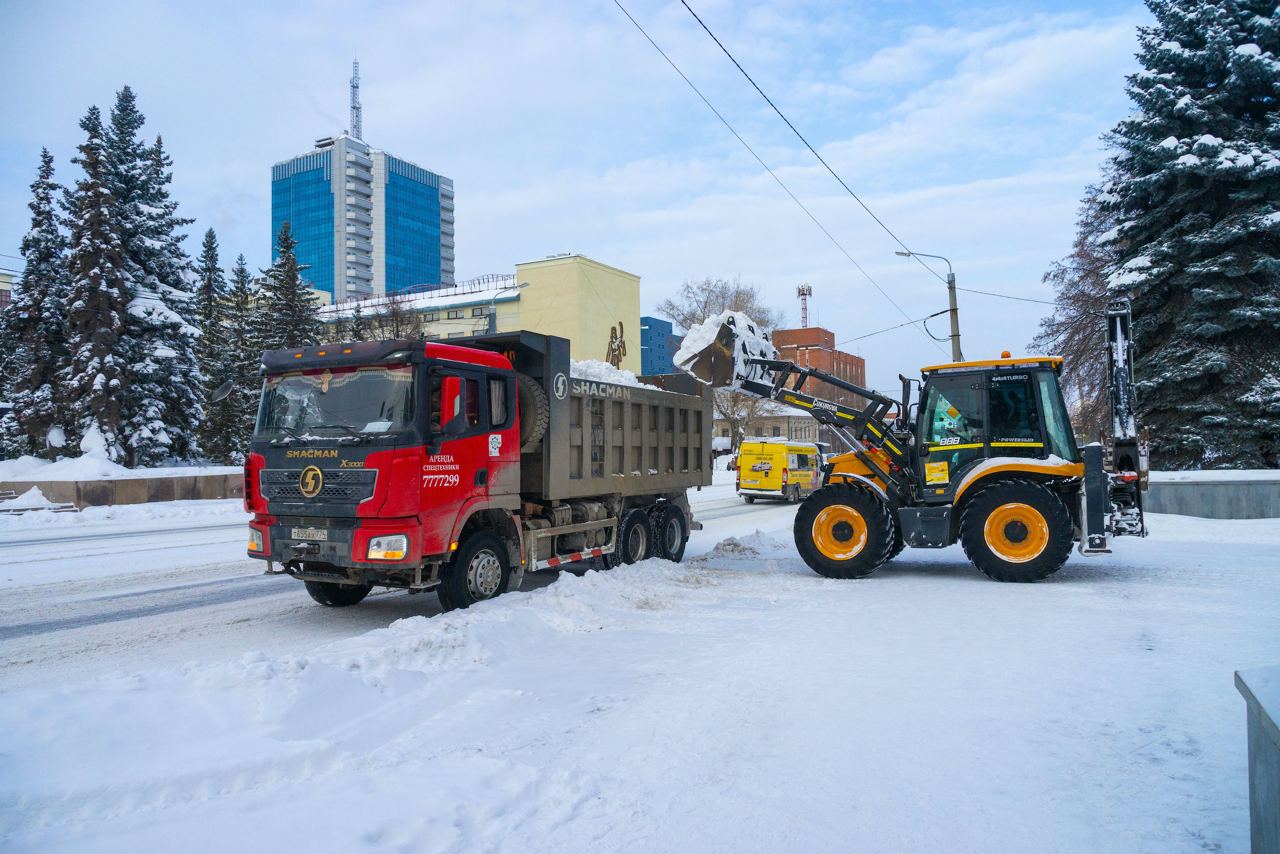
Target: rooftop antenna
804,292
356,116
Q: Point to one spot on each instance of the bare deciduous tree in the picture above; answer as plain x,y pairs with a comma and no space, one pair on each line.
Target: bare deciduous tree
1077,328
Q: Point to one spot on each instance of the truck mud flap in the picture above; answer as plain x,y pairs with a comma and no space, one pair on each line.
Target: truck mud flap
926,527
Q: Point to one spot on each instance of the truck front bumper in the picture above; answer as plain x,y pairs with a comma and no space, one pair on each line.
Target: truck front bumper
337,542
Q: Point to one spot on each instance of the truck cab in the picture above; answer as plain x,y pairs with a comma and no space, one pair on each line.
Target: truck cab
368,456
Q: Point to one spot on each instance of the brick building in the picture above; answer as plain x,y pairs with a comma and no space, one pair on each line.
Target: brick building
815,347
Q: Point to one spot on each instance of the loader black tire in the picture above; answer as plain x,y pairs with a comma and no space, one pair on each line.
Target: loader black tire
535,412
480,570
1016,530
898,544
636,537
843,531
334,595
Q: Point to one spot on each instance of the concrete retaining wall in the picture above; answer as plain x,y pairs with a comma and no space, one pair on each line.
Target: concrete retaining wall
140,490
1216,499
1261,691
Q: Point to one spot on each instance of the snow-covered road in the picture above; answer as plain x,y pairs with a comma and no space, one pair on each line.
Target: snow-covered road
736,702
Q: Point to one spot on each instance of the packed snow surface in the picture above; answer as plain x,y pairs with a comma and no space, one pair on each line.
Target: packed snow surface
603,372
735,702
750,342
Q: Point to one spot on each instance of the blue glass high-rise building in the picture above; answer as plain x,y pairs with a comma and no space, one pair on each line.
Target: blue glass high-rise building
367,223
658,346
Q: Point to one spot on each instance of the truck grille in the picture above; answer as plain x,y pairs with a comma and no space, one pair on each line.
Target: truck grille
347,485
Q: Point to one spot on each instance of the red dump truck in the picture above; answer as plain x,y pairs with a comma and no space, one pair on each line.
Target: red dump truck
457,467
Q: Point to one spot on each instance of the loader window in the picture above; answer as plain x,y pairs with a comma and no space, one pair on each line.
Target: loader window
1057,426
1015,418
952,426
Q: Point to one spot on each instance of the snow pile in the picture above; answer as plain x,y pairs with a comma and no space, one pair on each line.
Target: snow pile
93,466
123,518
32,499
603,372
749,342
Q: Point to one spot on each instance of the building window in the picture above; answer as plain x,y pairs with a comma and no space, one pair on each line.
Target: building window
479,312
432,316
433,336
458,334
777,431
454,314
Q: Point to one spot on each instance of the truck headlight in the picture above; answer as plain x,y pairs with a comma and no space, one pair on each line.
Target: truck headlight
255,540
394,547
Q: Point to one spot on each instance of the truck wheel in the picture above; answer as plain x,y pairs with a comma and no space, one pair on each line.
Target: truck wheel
793,497
636,537
843,532
673,533
750,499
534,411
1016,530
334,595
479,570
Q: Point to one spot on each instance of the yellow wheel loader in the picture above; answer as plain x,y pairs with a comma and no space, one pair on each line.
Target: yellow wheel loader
985,457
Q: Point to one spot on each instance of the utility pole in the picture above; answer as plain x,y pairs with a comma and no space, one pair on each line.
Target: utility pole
956,355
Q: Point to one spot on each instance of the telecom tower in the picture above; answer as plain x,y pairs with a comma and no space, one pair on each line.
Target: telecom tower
356,113
804,292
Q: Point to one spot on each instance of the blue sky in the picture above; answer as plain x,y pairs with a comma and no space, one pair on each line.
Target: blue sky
970,128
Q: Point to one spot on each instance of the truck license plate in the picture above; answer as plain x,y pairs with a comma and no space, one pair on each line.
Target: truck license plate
310,534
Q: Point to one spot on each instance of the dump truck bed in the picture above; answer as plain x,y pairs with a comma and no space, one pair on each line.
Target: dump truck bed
604,438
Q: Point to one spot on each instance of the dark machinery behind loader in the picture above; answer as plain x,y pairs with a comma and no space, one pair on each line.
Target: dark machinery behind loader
986,457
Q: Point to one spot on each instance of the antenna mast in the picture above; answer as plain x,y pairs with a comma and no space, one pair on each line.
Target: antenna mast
804,292
356,112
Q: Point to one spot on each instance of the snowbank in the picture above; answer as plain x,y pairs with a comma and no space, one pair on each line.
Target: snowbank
93,467
31,499
122,518
603,372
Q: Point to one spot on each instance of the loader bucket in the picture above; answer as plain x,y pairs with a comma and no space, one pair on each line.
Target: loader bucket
713,365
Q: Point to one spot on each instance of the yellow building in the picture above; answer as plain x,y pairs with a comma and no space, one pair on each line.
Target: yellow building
6,288
595,306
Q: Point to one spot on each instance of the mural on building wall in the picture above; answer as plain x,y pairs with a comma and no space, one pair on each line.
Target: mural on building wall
617,346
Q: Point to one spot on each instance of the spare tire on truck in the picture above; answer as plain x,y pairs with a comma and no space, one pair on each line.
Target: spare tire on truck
535,410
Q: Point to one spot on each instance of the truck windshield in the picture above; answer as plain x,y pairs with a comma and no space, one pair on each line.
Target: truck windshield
329,404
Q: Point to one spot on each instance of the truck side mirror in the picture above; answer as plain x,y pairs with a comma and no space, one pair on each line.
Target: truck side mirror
223,391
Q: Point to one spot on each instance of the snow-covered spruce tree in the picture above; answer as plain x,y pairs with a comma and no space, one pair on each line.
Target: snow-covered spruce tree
287,308
96,379
244,355
1197,193
165,400
36,329
212,356
359,330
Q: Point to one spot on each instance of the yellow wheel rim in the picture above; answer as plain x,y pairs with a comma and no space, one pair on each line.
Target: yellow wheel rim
840,532
1016,532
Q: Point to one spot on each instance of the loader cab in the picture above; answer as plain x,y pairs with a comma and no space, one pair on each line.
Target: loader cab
971,413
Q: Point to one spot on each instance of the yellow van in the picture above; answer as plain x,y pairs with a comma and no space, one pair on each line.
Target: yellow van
778,468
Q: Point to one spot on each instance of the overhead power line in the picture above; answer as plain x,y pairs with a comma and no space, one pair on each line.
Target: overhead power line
813,150
918,324
891,328
1007,296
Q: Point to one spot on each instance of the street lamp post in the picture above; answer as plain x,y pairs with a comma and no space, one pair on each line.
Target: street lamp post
493,304
956,355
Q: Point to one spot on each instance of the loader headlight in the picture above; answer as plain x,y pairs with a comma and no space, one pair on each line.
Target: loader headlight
394,547
255,540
